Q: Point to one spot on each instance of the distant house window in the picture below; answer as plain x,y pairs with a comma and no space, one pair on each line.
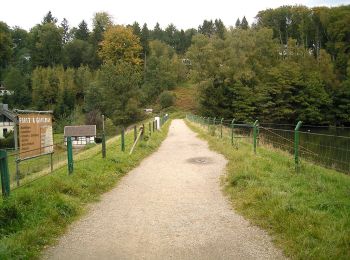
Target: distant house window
4,131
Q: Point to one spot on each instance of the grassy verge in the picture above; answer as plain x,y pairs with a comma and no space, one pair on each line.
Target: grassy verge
34,215
307,214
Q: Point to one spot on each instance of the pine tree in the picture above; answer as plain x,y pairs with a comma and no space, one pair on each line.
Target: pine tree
219,28
65,27
238,23
136,29
244,24
82,33
144,39
49,18
157,33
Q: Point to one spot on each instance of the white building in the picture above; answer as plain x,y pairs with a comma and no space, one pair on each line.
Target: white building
5,92
81,134
7,119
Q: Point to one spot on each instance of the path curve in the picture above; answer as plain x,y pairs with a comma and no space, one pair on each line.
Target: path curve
169,207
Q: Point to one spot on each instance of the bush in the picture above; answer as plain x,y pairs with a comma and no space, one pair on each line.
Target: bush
8,141
166,99
98,140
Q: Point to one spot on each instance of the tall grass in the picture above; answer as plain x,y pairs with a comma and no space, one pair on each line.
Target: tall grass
307,214
34,215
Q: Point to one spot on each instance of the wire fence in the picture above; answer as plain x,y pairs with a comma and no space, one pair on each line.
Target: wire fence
325,146
17,172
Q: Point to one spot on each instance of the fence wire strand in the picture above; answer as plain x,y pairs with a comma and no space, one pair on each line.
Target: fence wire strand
315,144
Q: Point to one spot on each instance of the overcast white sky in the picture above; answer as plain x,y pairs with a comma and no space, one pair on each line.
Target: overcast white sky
183,13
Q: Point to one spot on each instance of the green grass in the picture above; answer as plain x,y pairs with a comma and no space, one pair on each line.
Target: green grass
36,214
307,214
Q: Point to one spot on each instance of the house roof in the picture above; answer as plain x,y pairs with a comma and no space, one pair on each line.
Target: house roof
80,130
9,114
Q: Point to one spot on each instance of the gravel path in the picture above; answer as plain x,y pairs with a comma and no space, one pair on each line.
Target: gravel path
170,207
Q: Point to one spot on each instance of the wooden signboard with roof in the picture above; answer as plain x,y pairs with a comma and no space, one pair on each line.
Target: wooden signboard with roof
35,133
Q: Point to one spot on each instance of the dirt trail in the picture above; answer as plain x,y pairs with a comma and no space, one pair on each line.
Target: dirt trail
170,207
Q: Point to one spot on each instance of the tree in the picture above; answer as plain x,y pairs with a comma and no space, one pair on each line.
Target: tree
102,20
21,55
120,44
207,28
49,18
5,46
219,28
166,99
164,70
15,81
136,29
170,34
238,23
77,53
244,24
46,45
119,84
65,29
157,33
144,39
82,33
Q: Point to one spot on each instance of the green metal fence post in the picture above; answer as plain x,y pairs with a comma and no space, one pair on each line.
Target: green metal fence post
70,155
296,145
232,126
149,128
103,138
103,145
153,125
135,133
123,140
255,132
5,176
221,127
208,123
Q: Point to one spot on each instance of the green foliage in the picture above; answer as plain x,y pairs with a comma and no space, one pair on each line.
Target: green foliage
119,86
59,89
163,71
210,28
5,45
49,18
45,44
82,33
313,28
8,141
78,53
166,99
15,81
247,76
292,64
120,44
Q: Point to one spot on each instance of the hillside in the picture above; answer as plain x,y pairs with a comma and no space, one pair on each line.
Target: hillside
186,97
